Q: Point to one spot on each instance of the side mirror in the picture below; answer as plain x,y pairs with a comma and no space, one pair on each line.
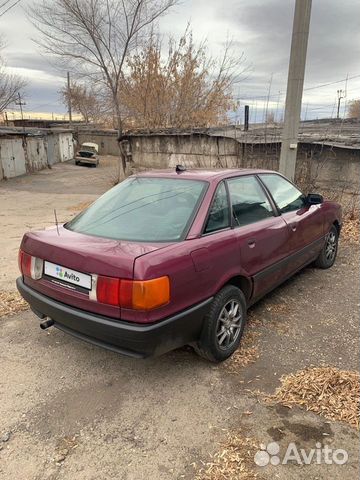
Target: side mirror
314,199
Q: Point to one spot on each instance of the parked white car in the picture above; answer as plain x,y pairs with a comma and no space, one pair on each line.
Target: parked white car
88,153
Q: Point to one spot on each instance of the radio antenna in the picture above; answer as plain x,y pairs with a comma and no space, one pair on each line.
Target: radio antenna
56,222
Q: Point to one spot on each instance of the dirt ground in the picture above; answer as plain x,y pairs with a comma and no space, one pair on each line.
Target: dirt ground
71,410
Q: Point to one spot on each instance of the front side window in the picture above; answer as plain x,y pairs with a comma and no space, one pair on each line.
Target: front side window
219,217
248,200
287,197
142,209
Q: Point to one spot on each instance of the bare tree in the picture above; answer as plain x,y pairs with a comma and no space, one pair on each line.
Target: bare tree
10,84
85,101
93,38
354,109
186,87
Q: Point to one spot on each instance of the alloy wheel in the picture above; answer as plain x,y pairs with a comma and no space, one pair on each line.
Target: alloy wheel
229,324
330,247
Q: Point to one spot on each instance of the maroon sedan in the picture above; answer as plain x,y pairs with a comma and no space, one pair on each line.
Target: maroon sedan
175,257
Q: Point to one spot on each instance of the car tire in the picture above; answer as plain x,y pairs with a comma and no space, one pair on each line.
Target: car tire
77,162
327,256
223,326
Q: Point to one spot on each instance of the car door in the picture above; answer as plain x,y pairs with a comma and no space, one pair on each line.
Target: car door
215,254
261,233
305,222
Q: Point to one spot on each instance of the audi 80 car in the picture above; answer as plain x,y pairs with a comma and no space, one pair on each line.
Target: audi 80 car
175,257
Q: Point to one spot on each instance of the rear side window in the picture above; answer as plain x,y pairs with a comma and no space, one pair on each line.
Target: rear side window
219,215
287,197
143,209
248,200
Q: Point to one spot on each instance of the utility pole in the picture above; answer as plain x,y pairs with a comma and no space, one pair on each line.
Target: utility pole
340,95
246,118
295,86
267,108
21,103
69,99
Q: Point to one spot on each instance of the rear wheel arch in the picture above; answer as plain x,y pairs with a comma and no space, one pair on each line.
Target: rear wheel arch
337,226
243,283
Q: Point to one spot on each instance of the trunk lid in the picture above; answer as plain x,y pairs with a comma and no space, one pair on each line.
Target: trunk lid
84,254
85,154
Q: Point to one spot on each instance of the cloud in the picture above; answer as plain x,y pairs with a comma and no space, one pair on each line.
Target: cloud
31,60
260,28
333,49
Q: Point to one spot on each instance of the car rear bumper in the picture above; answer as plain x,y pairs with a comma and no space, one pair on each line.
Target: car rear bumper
86,160
135,340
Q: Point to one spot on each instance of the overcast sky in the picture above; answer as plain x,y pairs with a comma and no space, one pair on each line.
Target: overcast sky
259,28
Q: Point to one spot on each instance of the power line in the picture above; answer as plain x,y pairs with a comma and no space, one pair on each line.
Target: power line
305,89
332,83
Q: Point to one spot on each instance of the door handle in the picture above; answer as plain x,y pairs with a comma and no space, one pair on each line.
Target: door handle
293,227
251,243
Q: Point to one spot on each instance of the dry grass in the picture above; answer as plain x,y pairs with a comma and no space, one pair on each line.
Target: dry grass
328,391
11,303
233,461
350,230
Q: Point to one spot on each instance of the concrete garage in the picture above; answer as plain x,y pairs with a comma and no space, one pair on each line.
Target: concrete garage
33,150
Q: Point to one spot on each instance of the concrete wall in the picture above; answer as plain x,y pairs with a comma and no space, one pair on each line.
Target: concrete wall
326,168
107,141
196,151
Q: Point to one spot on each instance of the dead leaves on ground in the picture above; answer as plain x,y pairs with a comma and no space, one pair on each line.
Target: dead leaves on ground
246,354
327,391
350,230
11,303
234,460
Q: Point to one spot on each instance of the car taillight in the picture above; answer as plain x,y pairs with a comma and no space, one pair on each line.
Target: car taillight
30,266
107,290
148,294
133,294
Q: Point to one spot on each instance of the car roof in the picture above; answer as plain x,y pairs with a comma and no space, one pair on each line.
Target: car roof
209,175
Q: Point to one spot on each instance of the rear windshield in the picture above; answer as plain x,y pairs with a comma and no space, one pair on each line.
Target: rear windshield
142,209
